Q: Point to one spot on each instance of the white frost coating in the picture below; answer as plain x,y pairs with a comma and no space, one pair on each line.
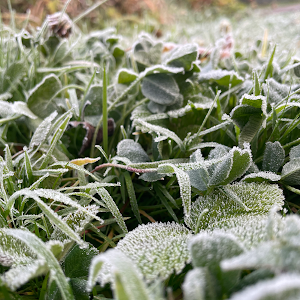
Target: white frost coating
160,69
184,184
286,286
14,252
291,172
147,127
225,214
194,285
19,275
125,268
77,221
218,74
42,131
158,249
280,253
262,175
60,197
209,248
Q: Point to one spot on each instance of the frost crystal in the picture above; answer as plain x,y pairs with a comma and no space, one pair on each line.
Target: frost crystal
226,214
158,249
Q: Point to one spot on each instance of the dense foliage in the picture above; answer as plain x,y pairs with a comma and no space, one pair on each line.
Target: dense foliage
183,160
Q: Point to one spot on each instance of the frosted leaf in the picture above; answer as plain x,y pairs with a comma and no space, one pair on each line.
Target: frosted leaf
273,157
279,254
255,101
208,249
285,286
132,150
124,270
15,277
77,221
41,133
160,88
111,205
233,166
290,173
161,69
275,90
126,76
226,214
222,77
194,285
156,108
39,247
186,109
295,152
14,252
147,127
158,250
93,104
261,176
183,56
38,98
184,184
60,197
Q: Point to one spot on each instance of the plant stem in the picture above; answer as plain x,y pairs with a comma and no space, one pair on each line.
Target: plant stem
128,168
104,112
109,109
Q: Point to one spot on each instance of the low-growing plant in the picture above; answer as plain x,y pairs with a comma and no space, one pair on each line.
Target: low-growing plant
185,162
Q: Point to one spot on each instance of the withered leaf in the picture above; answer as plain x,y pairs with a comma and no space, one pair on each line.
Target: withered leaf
90,129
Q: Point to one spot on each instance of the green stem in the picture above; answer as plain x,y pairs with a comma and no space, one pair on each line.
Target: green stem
109,109
104,112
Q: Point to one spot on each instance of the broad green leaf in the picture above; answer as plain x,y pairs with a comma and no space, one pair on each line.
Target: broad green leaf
233,166
129,277
39,100
111,205
132,150
11,76
38,247
273,157
161,89
126,76
221,77
184,184
157,249
209,249
225,213
290,173
183,56
93,108
295,152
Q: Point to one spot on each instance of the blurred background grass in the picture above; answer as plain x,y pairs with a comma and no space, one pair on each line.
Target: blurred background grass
160,10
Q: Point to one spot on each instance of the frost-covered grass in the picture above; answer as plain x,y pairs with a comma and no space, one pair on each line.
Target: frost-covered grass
190,191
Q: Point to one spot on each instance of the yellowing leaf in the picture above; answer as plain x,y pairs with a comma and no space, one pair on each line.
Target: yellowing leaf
84,161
